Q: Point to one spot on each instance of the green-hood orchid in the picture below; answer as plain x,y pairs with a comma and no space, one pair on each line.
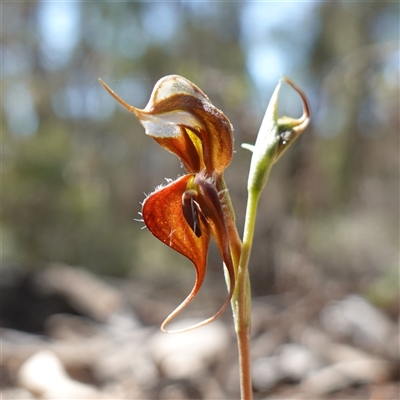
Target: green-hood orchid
186,212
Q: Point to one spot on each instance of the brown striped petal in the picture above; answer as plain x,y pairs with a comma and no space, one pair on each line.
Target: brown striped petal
181,118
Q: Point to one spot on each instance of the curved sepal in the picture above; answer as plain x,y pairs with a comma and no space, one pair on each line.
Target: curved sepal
177,113
291,128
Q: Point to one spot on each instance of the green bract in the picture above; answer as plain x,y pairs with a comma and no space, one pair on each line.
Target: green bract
276,134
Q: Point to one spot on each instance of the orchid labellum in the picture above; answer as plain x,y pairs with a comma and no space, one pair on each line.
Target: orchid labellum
185,213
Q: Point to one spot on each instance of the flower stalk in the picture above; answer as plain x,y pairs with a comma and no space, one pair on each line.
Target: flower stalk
274,137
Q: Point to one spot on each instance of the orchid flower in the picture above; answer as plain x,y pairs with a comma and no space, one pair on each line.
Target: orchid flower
185,213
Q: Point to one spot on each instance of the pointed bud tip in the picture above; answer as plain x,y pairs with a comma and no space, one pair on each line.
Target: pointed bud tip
305,118
274,99
291,128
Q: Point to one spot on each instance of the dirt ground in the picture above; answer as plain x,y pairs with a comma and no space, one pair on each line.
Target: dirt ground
67,333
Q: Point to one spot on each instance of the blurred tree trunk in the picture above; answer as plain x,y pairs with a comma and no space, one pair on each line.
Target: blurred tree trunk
339,62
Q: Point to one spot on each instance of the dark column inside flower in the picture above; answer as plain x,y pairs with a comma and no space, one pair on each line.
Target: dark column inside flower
190,211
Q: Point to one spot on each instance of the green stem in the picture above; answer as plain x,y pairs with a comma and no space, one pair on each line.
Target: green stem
241,300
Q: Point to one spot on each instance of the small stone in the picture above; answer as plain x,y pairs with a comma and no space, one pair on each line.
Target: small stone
296,362
44,376
346,373
266,343
88,294
67,327
265,373
188,354
355,317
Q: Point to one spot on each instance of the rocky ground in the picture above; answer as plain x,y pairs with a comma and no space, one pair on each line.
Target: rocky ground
70,334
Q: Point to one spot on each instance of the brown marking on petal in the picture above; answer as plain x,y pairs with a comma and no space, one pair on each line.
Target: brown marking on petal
175,101
175,84
184,148
213,128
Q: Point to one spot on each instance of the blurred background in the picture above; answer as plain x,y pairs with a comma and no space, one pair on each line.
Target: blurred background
76,165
